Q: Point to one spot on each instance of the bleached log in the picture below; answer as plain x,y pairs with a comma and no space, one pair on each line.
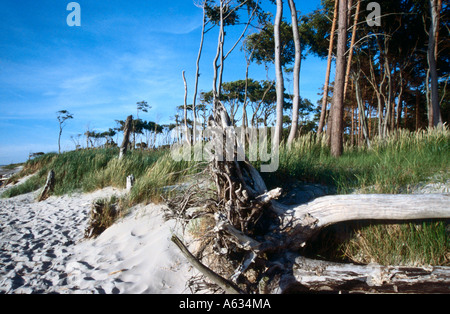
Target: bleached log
306,220
320,276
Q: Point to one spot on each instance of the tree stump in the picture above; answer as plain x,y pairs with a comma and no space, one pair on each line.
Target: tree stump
126,136
48,187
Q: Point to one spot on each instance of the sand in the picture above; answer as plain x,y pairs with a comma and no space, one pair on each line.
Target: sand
42,249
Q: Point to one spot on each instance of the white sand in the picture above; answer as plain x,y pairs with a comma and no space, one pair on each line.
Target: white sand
42,249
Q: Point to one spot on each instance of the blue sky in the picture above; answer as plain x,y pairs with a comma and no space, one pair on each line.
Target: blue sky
123,52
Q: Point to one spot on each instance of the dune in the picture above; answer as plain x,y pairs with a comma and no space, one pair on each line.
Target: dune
42,249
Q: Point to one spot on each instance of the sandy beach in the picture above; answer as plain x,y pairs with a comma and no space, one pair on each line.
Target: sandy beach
42,249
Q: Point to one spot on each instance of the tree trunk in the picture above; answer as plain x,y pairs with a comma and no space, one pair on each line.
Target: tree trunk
126,137
279,77
197,72
186,128
48,187
327,76
349,63
219,52
59,140
435,117
361,110
337,109
297,65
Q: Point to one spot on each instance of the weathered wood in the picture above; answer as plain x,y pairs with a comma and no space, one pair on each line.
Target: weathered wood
268,196
48,187
226,285
126,136
320,276
238,237
306,220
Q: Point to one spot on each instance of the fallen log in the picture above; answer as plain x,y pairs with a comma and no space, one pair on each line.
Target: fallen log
301,223
320,276
304,221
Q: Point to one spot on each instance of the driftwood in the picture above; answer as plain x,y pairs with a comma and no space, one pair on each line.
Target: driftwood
226,285
320,276
126,136
306,220
48,187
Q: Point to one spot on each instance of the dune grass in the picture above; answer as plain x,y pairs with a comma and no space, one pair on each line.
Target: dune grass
90,170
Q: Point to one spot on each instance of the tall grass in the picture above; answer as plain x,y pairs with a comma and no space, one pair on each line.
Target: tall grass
391,165
411,244
89,170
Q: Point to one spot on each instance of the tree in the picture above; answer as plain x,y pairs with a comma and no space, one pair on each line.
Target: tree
185,109
62,116
127,126
352,44
141,106
337,108
279,77
298,60
435,117
225,14
327,75
203,5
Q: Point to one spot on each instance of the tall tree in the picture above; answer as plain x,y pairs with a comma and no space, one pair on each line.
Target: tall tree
435,117
225,14
297,65
352,44
141,106
185,109
327,75
337,109
62,116
279,76
202,4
